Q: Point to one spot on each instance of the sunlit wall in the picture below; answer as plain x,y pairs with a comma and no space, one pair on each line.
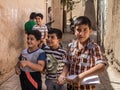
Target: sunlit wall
13,15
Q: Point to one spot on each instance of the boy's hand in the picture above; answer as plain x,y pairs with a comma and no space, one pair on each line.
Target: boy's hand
61,79
77,81
17,70
69,81
23,63
74,80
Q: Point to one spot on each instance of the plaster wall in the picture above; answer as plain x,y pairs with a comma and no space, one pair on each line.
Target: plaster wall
13,15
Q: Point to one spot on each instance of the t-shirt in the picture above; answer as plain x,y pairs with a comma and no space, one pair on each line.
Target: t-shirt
34,56
29,25
43,29
55,62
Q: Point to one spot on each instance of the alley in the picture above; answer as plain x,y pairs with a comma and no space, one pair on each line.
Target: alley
110,79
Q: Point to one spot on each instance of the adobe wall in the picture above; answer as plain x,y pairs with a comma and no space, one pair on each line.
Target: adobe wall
87,8
13,15
112,33
57,14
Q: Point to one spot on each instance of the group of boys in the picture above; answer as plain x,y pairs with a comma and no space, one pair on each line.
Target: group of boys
82,59
36,23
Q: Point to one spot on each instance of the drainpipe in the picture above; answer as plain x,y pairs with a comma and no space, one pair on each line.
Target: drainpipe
46,11
101,20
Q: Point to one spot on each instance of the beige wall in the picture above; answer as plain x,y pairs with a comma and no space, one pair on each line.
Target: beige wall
57,14
112,33
87,8
13,15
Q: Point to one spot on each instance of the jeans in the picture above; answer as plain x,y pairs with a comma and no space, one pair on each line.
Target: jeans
52,85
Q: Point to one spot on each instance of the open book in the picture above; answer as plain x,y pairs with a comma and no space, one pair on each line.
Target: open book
92,80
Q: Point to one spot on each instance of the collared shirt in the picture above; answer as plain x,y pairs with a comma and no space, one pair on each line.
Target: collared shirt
85,58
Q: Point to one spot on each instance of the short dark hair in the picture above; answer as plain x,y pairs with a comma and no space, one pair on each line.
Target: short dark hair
40,15
56,31
82,20
33,15
35,33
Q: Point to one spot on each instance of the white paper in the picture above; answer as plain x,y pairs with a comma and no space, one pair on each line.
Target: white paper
92,80
71,77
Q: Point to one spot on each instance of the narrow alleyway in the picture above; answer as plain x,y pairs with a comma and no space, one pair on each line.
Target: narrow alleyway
110,79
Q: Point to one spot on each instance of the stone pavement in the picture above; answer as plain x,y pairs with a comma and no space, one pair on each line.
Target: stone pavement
110,80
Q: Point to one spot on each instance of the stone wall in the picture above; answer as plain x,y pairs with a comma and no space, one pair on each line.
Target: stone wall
13,15
112,37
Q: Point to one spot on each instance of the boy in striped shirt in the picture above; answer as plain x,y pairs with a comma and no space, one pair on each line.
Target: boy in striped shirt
55,60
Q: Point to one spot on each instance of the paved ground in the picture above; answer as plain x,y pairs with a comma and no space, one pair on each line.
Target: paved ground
110,79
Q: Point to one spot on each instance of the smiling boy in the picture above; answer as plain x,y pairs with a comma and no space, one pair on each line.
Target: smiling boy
55,60
31,63
41,28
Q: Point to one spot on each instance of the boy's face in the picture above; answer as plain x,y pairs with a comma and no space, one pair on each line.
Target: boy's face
38,20
82,33
53,41
32,42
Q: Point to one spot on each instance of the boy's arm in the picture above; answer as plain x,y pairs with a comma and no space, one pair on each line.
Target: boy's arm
36,67
17,68
61,79
46,34
66,66
65,71
93,71
100,63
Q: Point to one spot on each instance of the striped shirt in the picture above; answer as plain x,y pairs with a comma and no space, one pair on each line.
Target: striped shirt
55,62
43,29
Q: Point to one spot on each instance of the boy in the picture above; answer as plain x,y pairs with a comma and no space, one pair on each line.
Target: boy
84,55
55,60
42,28
29,24
31,63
